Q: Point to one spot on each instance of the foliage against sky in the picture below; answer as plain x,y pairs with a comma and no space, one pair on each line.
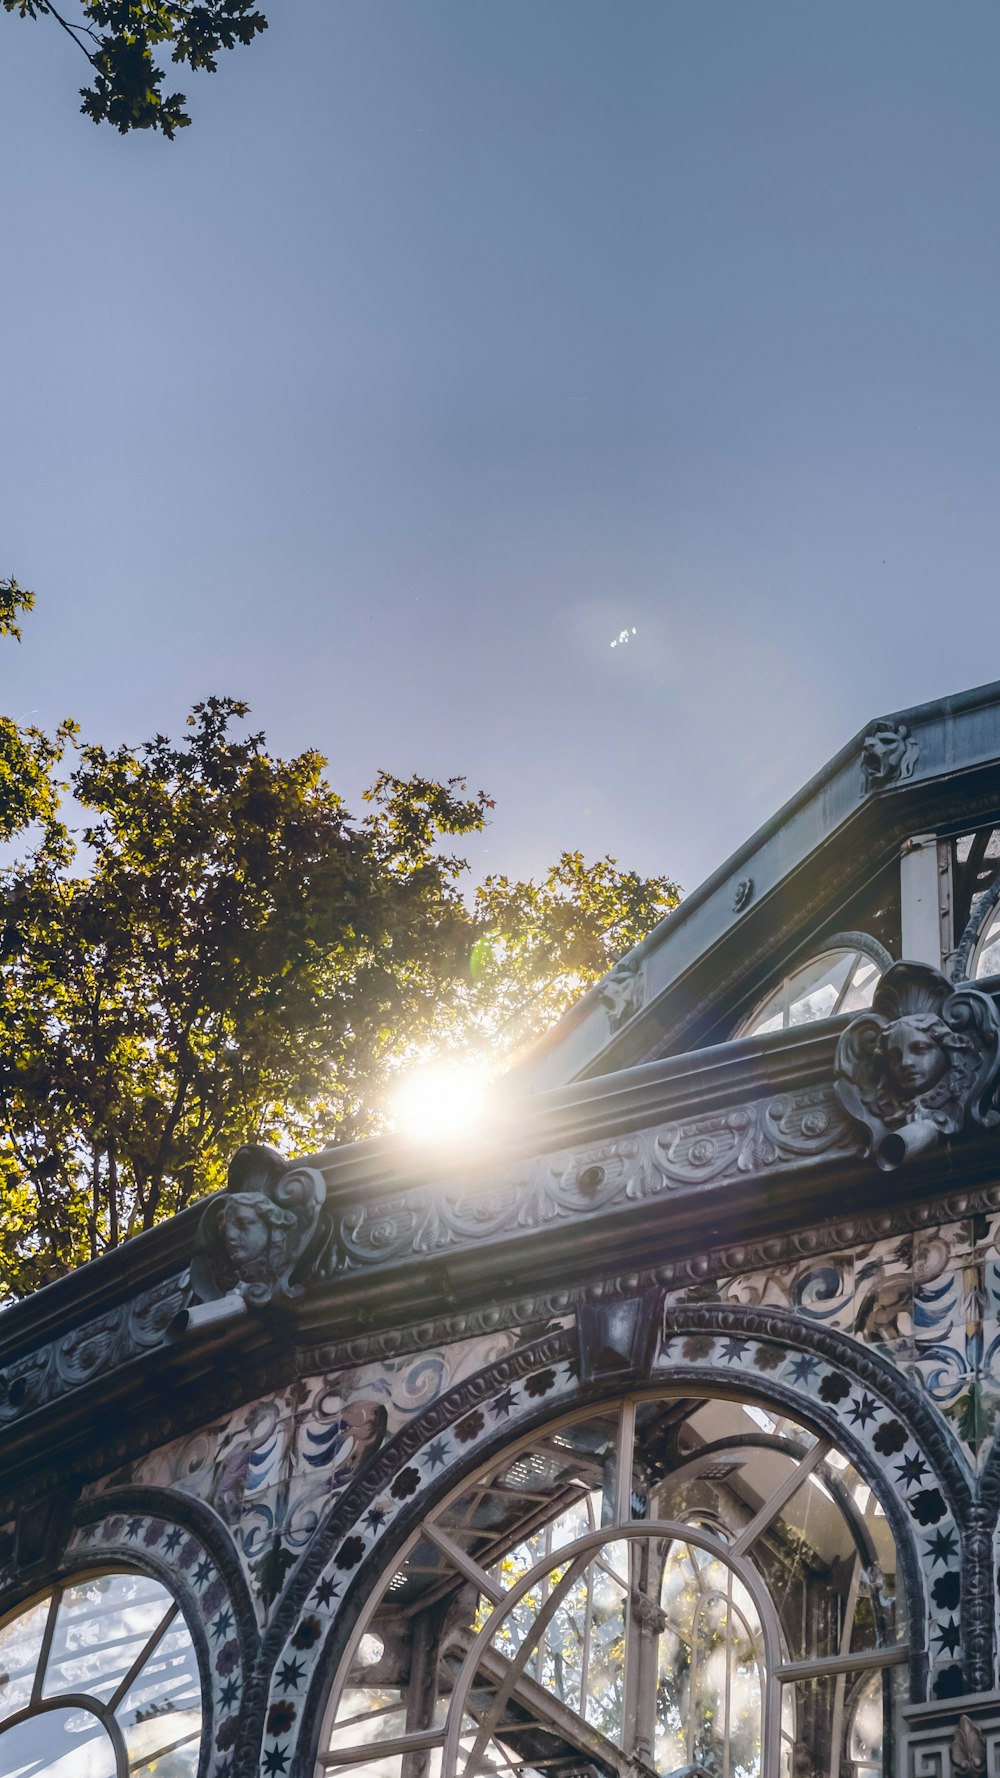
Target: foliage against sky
223,954
125,42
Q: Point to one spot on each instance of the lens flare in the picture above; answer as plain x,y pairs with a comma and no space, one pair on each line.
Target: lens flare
437,1102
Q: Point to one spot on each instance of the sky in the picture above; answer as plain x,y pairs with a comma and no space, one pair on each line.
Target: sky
457,340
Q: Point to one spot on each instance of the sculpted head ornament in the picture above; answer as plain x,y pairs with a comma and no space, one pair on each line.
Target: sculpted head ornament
920,1065
888,754
257,1237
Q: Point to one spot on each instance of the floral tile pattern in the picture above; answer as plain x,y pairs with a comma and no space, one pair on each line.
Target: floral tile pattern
273,1470
930,1302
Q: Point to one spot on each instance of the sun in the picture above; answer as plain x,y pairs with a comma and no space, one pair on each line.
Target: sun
437,1101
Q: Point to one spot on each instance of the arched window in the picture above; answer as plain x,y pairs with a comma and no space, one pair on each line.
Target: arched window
986,946
98,1679
689,1586
840,978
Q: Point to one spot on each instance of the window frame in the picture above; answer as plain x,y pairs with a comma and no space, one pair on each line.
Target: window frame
40,1704
834,942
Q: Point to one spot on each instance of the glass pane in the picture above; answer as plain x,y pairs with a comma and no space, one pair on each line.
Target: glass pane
708,1697
604,1678
20,1645
867,1720
181,1763
160,1731
835,981
864,981
102,1625
167,1692
840,1720
518,1512
368,1713
814,990
57,1744
771,1016
391,1766
988,958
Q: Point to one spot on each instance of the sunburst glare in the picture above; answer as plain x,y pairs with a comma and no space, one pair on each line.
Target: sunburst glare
437,1101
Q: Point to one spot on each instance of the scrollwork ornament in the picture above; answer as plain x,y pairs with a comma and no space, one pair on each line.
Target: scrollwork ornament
920,1065
260,1237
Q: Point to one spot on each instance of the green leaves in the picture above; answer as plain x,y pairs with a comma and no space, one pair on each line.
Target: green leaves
13,599
232,958
28,792
121,40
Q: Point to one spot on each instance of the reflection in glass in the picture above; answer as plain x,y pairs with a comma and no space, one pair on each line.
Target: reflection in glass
57,1744
867,1728
987,959
837,981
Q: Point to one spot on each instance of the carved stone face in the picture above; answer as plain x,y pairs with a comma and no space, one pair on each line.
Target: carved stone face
245,1235
914,1059
884,749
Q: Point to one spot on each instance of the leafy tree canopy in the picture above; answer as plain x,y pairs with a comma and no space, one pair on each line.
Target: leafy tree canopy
27,757
224,955
125,42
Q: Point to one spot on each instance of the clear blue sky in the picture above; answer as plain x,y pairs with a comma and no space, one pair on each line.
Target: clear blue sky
457,336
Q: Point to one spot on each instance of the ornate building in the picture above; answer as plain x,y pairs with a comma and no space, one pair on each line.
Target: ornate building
650,1432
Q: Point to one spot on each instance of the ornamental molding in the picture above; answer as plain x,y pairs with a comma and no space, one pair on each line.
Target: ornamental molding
968,1750
259,1239
134,1330
622,992
124,1436
762,1136
88,1352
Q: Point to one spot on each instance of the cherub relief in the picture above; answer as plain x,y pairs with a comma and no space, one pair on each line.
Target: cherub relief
919,1065
256,1235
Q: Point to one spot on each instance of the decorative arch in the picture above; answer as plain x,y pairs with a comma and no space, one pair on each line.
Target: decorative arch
183,1544
889,1431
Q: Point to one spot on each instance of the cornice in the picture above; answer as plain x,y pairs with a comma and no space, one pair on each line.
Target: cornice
680,1087
124,1412
682,1169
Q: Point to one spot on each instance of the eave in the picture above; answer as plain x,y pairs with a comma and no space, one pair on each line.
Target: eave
825,842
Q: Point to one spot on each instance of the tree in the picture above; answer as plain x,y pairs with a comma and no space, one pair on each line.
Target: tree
234,958
124,42
27,756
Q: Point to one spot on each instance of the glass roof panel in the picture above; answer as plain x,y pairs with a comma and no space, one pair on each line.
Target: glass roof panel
864,981
841,979
102,1625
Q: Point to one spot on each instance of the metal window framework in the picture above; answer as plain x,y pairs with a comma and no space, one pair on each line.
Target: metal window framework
103,1712
455,1739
